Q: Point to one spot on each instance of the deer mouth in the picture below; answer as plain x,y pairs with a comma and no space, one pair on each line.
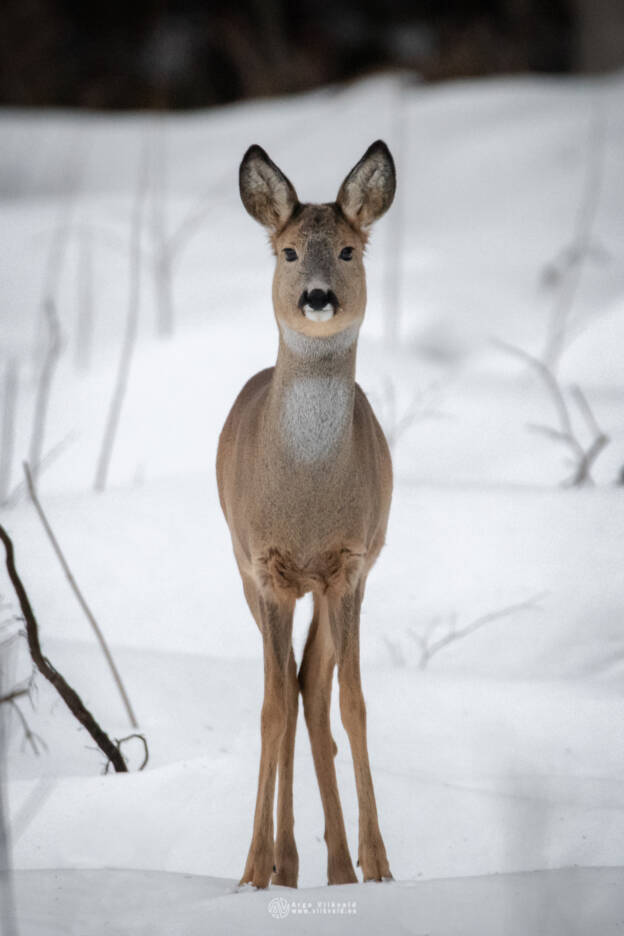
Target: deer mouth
318,305
319,315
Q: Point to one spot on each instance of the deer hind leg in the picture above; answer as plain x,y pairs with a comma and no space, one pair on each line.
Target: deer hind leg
275,620
286,858
315,680
344,614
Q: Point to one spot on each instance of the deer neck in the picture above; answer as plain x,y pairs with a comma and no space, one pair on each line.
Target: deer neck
312,396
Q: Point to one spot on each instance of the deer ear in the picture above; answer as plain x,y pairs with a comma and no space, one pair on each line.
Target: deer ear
368,190
265,191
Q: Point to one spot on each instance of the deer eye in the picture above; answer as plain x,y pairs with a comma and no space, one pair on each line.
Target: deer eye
290,254
346,253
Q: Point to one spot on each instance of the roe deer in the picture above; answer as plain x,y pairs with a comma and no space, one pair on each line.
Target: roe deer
305,483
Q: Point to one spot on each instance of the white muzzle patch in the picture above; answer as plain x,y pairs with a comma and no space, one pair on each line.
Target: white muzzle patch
319,315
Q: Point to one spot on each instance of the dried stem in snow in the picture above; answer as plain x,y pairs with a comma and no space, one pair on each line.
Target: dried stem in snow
8,922
582,455
580,249
79,595
7,435
429,647
47,459
167,246
392,293
85,294
129,338
42,398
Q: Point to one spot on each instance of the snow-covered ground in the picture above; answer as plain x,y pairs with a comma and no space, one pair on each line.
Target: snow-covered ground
499,765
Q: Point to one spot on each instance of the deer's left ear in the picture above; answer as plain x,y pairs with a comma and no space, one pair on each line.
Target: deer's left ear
368,190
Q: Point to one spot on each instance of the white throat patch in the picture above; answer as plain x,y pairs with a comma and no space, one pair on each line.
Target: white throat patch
315,415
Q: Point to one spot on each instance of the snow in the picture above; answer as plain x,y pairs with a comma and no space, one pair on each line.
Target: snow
499,766
160,903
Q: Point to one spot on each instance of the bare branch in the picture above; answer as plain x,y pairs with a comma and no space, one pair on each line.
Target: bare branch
47,459
8,922
143,740
582,474
79,596
549,380
395,652
580,249
30,737
45,667
14,694
418,410
42,398
85,310
429,648
190,225
556,434
7,438
395,229
585,410
584,456
129,339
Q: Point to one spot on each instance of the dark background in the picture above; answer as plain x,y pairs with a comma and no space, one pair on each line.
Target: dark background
158,54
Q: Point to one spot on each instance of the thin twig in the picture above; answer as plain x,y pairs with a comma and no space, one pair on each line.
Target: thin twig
583,456
7,436
580,247
168,245
82,601
58,239
190,224
42,398
158,227
132,322
395,231
429,649
30,737
84,281
143,740
418,410
14,694
47,459
8,919
45,667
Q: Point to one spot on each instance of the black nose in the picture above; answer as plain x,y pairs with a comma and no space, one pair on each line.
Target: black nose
317,299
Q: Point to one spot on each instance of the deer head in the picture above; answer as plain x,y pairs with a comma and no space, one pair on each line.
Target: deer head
319,285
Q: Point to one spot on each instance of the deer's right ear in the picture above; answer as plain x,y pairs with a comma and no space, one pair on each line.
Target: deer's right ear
266,193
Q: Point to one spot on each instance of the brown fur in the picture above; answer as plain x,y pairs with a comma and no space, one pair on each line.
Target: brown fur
315,525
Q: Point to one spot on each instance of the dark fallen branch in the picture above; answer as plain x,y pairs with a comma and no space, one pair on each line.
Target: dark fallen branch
142,739
69,695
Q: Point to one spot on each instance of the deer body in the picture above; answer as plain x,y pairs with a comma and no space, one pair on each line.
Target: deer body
305,480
